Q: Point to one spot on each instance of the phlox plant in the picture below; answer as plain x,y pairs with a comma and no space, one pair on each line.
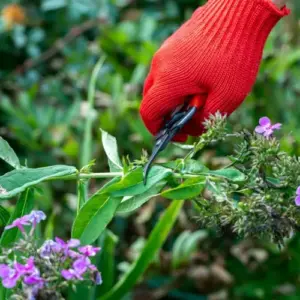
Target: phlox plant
257,195
33,271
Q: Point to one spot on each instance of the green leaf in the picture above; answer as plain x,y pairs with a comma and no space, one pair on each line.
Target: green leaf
81,193
155,241
178,248
230,174
23,207
189,189
111,149
132,184
8,155
130,204
192,241
94,216
4,216
17,181
185,245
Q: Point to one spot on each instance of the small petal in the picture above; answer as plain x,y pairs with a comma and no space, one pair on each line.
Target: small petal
297,200
298,191
276,126
89,250
4,270
268,132
36,216
33,280
73,243
67,274
260,129
264,121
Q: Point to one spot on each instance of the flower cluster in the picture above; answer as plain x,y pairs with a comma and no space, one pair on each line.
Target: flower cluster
39,271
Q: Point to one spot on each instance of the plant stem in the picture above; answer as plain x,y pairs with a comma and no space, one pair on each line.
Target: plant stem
108,175
87,138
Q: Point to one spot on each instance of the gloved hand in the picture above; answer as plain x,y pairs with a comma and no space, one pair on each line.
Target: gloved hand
215,54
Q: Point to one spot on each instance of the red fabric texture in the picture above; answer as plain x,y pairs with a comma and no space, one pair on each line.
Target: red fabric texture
215,54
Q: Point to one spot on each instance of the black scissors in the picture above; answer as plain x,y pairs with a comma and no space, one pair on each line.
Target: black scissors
181,116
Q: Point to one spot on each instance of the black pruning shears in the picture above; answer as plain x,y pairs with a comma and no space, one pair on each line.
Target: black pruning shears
181,116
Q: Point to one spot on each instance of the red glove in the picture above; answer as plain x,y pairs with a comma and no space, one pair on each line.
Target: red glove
215,54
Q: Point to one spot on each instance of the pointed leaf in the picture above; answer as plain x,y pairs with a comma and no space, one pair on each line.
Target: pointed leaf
4,216
94,216
131,204
23,207
111,149
8,155
17,181
178,248
230,174
191,188
132,184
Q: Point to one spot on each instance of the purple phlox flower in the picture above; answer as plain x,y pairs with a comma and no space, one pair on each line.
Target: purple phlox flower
297,200
4,270
19,223
89,250
27,269
81,264
34,279
48,248
266,128
36,216
10,278
65,246
79,267
71,274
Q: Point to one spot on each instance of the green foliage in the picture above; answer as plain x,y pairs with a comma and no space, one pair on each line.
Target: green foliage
17,181
44,117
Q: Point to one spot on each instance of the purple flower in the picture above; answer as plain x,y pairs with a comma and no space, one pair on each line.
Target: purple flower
266,128
11,279
81,265
89,250
28,268
36,216
48,248
297,200
19,223
73,243
4,270
64,247
34,279
71,275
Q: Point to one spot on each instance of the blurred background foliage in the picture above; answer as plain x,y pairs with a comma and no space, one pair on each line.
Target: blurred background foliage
48,49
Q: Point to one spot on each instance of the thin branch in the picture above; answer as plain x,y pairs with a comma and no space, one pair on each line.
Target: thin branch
59,45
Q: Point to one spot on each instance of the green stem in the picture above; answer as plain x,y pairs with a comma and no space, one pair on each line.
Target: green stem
154,243
87,138
108,175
